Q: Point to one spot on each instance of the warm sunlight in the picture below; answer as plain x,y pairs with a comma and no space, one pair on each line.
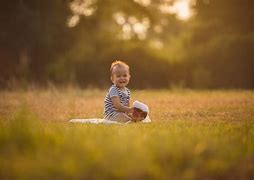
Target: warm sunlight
73,20
182,9
143,2
79,8
132,26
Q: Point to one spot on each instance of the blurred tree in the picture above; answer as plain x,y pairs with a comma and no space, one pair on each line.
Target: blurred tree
33,30
105,30
221,41
231,15
76,40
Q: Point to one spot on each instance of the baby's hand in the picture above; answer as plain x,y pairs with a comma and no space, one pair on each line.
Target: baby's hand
130,110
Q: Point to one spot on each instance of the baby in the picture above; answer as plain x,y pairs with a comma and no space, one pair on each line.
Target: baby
117,100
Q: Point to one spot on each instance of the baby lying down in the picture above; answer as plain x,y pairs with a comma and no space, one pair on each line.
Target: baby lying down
139,114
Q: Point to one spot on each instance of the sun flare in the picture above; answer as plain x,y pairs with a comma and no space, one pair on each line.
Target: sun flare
181,8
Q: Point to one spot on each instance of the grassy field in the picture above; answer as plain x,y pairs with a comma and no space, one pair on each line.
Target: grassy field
193,135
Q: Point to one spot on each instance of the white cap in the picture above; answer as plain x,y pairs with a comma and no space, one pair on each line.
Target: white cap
141,106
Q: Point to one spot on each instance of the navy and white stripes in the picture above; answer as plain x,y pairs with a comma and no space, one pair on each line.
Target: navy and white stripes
110,111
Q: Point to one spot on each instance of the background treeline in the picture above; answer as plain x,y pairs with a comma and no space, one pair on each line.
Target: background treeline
74,42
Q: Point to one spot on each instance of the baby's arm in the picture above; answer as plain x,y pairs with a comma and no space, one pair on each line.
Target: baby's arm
129,103
119,106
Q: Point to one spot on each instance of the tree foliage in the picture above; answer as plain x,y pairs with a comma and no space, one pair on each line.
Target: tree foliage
75,41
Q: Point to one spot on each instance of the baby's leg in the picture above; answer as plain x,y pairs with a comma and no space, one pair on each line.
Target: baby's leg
121,117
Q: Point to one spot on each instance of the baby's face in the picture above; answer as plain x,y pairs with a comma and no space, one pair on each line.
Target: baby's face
138,115
120,76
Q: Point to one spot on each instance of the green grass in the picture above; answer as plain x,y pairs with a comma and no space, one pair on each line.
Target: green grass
194,135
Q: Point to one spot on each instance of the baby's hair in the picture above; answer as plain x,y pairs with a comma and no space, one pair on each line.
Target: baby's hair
118,63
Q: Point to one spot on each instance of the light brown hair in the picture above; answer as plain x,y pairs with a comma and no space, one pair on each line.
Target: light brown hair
119,64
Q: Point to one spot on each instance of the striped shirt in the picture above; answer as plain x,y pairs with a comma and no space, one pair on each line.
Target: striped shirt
110,111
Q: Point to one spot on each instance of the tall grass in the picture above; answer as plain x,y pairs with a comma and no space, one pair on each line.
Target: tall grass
194,135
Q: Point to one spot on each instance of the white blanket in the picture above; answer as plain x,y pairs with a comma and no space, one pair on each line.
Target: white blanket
103,121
